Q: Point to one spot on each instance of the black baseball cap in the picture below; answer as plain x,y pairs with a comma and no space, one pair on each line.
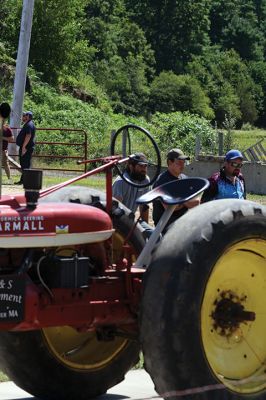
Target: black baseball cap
178,154
138,158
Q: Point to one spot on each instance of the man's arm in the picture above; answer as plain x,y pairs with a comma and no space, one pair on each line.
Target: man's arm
26,141
8,139
8,135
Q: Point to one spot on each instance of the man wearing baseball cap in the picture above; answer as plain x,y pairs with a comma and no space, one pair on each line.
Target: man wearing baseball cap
175,167
26,142
136,171
228,183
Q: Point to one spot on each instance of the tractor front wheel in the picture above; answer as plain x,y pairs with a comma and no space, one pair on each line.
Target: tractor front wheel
60,363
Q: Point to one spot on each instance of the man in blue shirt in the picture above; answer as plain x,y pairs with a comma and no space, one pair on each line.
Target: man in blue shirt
26,142
228,183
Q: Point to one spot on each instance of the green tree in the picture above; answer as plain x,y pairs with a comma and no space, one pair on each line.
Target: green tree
228,83
170,92
176,29
258,73
238,25
9,25
57,45
124,60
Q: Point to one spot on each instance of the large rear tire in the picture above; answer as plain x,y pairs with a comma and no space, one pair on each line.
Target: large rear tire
61,363
203,318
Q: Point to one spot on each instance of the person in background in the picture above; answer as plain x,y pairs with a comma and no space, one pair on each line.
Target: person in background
228,183
175,166
7,138
136,171
26,142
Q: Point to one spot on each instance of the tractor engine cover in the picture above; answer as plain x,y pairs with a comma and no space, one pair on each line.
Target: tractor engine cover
53,224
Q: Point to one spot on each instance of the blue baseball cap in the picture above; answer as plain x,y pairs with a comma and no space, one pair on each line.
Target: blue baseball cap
29,113
233,154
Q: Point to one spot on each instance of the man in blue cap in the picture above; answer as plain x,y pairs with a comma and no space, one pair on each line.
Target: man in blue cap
228,183
26,142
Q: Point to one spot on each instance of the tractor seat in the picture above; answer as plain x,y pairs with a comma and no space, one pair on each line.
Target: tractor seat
175,192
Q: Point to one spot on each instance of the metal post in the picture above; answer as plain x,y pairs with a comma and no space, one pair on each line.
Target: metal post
21,66
197,147
220,143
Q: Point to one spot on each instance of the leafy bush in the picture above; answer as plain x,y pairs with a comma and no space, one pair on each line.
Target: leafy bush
180,130
54,110
170,93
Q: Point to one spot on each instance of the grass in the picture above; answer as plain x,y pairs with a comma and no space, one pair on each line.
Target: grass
3,377
257,197
244,139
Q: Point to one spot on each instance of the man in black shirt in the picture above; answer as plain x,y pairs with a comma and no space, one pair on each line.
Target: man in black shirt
26,142
175,167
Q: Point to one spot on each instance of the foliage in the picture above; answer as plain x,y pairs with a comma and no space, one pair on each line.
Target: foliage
228,83
170,92
57,44
240,26
258,73
124,60
180,130
86,89
176,29
52,109
229,125
115,54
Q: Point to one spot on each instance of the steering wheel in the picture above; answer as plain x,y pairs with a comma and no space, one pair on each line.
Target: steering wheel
123,144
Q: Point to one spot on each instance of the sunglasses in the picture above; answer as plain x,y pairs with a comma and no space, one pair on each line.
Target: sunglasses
236,165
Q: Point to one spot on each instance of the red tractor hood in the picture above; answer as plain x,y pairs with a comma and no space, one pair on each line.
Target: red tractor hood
53,224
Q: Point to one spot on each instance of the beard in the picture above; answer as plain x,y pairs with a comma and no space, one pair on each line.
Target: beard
137,176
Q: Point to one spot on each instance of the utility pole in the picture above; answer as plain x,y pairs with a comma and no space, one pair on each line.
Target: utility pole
21,67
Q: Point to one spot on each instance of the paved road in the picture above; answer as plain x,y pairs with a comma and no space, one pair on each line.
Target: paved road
136,386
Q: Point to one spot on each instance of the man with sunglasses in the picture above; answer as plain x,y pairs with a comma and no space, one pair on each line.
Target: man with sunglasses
228,183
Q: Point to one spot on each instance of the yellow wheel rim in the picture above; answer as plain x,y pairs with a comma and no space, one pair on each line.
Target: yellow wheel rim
233,317
81,350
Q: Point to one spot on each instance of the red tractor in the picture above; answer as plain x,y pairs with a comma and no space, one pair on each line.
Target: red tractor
82,293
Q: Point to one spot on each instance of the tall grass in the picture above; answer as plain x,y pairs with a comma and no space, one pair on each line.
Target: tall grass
244,139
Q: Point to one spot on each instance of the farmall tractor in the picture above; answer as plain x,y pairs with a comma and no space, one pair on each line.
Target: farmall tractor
82,293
